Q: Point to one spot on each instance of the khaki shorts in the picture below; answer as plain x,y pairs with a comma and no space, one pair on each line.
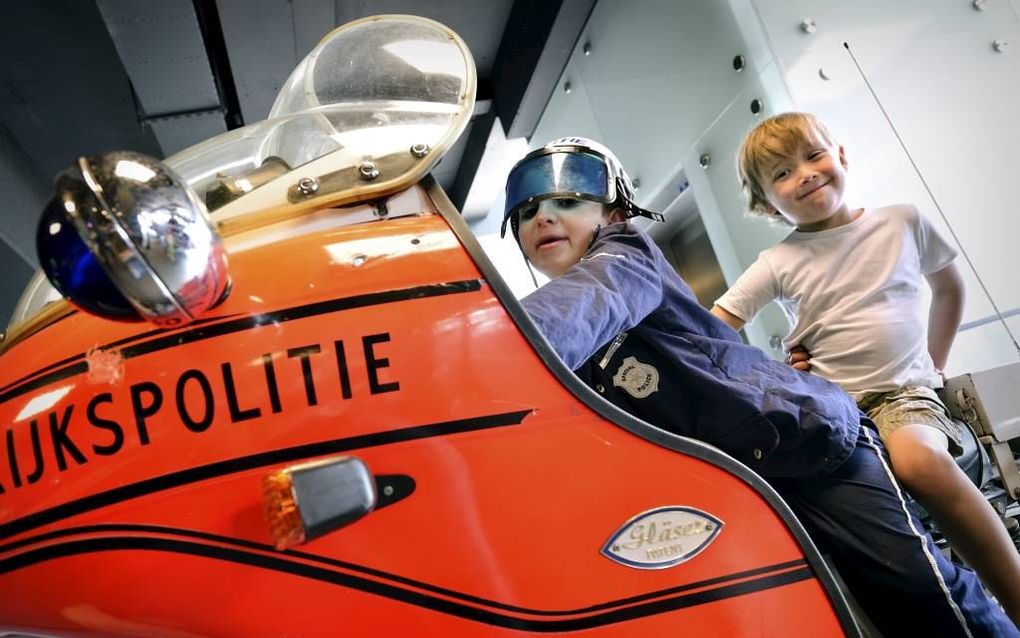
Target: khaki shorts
911,404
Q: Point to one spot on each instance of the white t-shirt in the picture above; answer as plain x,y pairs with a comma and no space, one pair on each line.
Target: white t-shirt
853,294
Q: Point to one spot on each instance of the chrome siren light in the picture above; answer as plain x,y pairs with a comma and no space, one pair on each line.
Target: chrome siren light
125,238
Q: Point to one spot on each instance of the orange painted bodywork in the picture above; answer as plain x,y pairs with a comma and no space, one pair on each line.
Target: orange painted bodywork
158,531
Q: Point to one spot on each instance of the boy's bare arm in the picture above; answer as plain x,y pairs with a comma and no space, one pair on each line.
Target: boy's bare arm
945,313
728,317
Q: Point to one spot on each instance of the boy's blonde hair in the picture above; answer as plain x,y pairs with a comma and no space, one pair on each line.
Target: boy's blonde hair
774,138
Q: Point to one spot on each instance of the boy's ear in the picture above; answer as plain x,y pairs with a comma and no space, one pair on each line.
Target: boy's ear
617,215
842,156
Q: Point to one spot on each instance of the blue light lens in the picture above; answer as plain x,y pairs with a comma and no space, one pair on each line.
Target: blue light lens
74,271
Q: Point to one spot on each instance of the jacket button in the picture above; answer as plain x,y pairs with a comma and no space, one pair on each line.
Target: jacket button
756,453
601,388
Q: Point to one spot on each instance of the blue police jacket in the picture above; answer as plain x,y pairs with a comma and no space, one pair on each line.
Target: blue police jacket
632,329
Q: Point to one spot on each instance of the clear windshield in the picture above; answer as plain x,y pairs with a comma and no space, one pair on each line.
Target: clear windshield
369,92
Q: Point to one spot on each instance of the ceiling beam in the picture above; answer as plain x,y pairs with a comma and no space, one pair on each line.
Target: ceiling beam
219,61
536,44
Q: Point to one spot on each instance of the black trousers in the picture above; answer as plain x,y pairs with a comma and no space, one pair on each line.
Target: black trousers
860,517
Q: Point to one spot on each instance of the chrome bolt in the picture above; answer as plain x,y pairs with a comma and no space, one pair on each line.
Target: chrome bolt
738,63
420,150
586,48
705,160
1000,45
388,490
807,25
308,186
980,5
368,171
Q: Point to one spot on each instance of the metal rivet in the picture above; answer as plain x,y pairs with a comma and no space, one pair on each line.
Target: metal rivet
705,160
636,183
388,490
566,87
420,150
709,527
308,185
822,74
756,453
807,25
756,106
586,48
1000,45
601,388
368,171
980,5
738,63
415,241
776,342
358,260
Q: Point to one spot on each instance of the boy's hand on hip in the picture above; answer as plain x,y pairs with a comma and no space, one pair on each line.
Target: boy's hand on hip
799,358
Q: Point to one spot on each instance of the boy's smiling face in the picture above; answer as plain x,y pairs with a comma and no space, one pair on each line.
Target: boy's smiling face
807,188
556,233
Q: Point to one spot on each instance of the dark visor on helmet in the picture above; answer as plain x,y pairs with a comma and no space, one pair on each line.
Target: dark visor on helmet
557,174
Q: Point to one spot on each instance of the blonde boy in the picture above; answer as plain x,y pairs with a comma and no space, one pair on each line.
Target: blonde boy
850,281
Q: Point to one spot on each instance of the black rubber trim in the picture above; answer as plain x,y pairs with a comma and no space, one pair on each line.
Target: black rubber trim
284,563
110,528
627,421
399,486
165,341
245,463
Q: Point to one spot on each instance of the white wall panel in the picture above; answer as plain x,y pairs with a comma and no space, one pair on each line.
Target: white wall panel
893,24
658,74
567,113
984,347
963,135
736,237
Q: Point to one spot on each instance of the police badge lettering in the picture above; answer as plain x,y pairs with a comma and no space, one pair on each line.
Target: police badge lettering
637,379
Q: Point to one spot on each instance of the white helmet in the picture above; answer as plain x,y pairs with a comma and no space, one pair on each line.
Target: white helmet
574,167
